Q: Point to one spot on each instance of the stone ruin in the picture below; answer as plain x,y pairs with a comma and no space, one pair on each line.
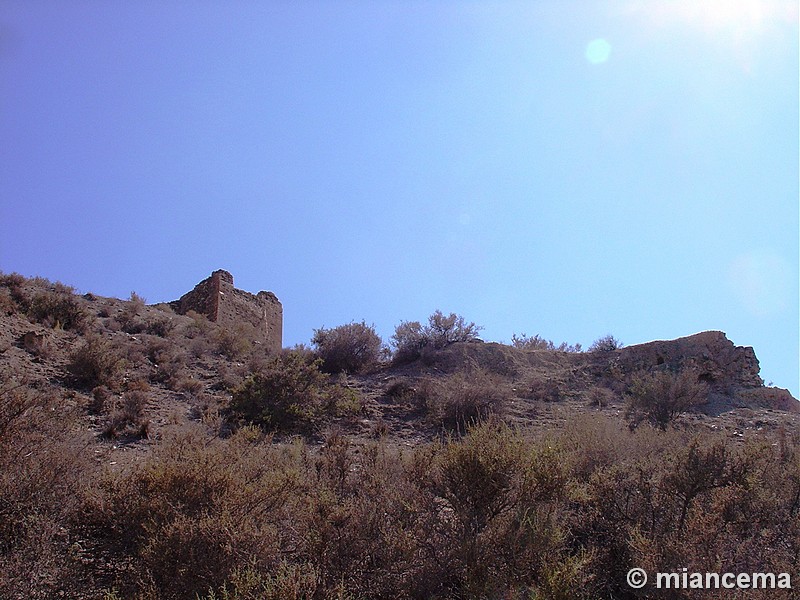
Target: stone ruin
222,303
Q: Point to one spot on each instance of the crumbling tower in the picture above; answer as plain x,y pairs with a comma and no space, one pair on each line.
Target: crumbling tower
217,299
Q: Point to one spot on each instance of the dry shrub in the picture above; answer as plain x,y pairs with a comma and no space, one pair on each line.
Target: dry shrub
127,419
189,385
198,326
401,391
536,342
194,511
168,360
491,514
410,337
599,396
7,304
237,343
544,390
43,467
380,428
130,318
362,522
12,281
501,530
607,343
201,347
350,348
462,399
12,294
667,501
96,362
288,581
657,398
39,345
162,326
58,308
100,401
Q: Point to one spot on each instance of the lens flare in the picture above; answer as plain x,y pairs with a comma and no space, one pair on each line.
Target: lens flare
598,51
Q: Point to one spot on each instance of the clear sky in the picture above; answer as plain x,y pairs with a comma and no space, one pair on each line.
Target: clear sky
568,169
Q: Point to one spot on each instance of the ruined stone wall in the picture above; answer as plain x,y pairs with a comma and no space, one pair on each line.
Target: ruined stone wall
218,299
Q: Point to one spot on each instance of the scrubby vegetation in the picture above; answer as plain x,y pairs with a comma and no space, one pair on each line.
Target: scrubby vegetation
536,342
348,348
289,393
659,397
148,455
494,514
607,343
411,337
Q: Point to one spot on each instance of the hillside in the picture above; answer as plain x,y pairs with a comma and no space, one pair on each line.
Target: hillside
127,450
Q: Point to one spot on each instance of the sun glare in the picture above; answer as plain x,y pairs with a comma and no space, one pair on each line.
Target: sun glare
739,18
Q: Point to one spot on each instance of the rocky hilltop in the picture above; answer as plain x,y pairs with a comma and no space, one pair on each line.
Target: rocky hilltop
731,372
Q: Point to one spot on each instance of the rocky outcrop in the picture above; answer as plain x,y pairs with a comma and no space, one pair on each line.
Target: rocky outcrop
731,372
710,354
218,299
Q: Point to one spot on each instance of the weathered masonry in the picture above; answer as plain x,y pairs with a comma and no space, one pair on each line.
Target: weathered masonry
217,299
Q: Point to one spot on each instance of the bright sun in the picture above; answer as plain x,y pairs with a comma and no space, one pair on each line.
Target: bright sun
739,18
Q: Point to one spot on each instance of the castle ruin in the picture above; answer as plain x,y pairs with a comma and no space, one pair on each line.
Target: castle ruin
222,303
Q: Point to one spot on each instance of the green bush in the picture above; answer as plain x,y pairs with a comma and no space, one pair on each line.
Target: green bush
348,348
657,398
289,393
503,534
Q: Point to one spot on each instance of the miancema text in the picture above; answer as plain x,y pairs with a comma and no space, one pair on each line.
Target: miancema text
710,581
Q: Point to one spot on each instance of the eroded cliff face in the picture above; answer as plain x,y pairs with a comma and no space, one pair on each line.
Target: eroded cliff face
731,372
218,299
710,354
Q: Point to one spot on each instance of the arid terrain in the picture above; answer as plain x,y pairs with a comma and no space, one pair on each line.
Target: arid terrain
151,454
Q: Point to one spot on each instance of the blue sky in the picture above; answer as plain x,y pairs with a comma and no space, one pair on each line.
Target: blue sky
568,169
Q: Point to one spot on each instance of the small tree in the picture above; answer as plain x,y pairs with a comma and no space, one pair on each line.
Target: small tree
410,337
607,343
352,347
660,397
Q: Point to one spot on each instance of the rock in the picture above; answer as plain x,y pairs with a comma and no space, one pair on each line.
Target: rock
35,343
710,354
